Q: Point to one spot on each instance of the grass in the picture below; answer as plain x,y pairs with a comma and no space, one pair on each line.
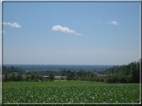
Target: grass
70,92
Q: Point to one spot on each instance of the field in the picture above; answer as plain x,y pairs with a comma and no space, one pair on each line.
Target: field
70,92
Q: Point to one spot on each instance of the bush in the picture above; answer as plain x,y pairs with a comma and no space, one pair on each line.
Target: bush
62,78
51,76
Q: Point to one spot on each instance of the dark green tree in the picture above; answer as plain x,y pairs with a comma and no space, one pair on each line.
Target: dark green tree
51,76
69,76
13,77
6,77
19,77
33,75
63,72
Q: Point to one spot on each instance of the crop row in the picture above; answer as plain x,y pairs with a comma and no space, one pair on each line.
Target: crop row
70,92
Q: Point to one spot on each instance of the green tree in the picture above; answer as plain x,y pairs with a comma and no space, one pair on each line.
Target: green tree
27,78
36,77
33,75
23,78
51,76
63,72
19,77
62,78
6,77
92,76
75,76
69,76
13,77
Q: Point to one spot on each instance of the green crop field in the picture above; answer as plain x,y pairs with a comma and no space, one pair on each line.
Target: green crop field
70,92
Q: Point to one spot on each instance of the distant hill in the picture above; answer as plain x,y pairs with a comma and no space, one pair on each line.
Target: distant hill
62,67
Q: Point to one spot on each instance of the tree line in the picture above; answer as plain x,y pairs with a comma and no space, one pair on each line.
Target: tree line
129,73
33,76
126,73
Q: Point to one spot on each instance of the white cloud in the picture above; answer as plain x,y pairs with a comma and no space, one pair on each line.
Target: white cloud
16,25
64,29
113,23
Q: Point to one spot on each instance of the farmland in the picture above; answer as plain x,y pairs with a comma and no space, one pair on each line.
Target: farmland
70,92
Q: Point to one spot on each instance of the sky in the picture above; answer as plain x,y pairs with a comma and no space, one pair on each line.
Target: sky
77,33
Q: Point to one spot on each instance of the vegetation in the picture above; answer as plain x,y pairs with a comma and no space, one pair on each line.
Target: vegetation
125,74
117,74
51,76
82,86
70,92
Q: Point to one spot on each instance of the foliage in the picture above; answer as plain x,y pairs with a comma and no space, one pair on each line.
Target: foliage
117,74
70,92
62,78
51,76
126,74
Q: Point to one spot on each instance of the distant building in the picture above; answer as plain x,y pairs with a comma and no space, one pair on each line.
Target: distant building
102,75
56,77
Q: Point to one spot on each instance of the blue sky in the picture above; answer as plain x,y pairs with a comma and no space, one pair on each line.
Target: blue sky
95,33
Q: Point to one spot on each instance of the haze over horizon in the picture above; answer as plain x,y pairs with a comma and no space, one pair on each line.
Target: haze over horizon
78,33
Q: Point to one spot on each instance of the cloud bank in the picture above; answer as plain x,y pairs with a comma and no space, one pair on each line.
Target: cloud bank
113,23
64,29
16,25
